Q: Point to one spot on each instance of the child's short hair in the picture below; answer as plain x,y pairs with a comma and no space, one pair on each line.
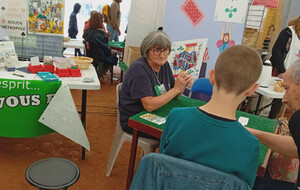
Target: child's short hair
237,69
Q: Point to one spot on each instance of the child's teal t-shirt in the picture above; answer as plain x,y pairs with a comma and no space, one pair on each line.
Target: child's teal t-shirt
223,145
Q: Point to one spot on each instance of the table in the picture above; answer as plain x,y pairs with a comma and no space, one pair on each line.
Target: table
140,125
119,46
268,92
77,83
74,43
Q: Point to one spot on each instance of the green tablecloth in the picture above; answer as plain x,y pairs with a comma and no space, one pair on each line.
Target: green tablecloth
255,121
117,44
22,102
123,66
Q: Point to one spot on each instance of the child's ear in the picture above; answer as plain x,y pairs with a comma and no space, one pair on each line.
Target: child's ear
211,75
252,89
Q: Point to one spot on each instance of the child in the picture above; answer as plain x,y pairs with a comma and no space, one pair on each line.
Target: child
210,134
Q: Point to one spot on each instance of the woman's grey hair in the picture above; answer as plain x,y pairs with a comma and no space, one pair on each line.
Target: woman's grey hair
156,39
295,71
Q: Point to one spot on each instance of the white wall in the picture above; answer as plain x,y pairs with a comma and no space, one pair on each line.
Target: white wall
293,10
145,17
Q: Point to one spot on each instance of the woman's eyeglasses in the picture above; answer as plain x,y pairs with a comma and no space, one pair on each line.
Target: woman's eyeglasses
159,51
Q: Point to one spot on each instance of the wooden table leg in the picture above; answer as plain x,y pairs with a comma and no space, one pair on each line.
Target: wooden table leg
134,143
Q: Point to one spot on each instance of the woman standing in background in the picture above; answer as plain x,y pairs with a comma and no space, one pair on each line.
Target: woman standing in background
284,52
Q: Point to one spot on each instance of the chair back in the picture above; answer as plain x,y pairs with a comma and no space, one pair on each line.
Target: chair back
201,89
118,91
160,171
91,49
202,85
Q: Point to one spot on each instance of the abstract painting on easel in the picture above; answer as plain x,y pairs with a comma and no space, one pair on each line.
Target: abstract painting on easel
187,56
233,11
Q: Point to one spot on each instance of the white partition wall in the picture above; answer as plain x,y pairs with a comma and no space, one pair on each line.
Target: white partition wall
145,17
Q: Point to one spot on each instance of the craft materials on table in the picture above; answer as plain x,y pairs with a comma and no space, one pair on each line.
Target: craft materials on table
47,76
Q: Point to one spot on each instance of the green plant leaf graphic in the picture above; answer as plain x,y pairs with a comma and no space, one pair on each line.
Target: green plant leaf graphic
234,10
230,15
227,10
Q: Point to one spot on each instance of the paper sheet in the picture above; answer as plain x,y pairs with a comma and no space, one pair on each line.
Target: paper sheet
61,115
243,120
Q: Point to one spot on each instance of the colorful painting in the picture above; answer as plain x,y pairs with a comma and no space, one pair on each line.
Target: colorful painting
220,34
187,56
231,11
46,17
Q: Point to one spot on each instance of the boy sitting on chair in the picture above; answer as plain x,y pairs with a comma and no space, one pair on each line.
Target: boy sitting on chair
210,134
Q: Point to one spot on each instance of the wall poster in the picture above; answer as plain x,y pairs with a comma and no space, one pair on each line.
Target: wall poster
218,21
13,17
231,11
187,56
46,17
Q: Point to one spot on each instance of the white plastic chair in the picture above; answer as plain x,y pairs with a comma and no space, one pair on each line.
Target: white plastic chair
147,145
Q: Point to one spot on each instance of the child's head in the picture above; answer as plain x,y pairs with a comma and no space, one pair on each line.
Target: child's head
237,69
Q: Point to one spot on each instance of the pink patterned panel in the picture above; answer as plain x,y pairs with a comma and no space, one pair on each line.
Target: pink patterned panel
192,11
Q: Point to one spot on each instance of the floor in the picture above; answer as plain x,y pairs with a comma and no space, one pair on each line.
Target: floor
19,153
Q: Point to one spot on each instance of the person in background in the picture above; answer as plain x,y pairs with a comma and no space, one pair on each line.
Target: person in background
284,53
149,82
73,29
285,145
86,23
211,135
96,35
113,26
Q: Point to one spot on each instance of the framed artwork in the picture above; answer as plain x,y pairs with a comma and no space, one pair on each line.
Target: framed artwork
187,56
46,17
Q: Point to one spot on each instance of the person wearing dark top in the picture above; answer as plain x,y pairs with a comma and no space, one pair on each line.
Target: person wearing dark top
149,82
287,145
286,45
73,29
94,34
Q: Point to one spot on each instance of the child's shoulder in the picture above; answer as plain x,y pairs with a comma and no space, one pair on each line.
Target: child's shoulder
182,110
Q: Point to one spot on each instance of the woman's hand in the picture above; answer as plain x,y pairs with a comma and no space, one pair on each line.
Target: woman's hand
182,80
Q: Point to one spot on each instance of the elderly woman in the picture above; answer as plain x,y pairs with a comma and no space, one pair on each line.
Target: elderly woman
97,42
149,83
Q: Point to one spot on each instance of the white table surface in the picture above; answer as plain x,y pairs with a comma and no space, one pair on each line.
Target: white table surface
270,92
74,43
72,82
